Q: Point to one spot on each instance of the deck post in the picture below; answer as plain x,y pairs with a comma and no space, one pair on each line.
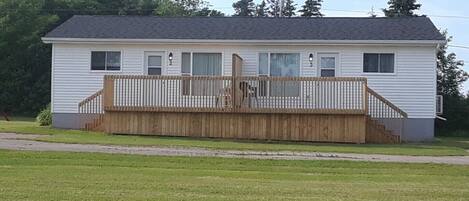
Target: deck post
365,97
108,92
237,66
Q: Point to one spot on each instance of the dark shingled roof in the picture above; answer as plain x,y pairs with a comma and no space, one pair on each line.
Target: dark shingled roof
247,28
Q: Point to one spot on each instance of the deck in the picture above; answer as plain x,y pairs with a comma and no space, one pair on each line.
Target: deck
314,109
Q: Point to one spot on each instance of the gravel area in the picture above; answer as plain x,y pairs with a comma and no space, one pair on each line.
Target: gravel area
10,141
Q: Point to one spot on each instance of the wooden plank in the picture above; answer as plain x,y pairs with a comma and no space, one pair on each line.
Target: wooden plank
291,127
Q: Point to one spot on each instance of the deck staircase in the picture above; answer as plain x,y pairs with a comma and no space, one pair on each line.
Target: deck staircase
384,120
376,133
92,113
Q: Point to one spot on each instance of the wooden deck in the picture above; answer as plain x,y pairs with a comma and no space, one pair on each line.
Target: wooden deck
310,109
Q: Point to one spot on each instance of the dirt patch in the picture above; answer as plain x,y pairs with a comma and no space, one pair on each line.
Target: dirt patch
11,141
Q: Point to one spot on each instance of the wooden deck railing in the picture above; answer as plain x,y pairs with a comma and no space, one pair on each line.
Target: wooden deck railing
91,111
235,94
92,105
385,112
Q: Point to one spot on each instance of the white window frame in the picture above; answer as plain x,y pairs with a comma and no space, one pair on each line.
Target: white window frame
202,52
155,53
105,60
267,93
192,70
379,73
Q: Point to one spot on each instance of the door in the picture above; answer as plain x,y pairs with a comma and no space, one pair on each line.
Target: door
154,90
328,64
154,63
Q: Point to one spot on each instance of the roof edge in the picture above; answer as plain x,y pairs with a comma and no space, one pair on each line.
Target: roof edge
221,41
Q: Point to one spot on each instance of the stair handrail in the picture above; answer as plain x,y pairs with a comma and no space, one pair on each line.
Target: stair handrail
92,104
388,103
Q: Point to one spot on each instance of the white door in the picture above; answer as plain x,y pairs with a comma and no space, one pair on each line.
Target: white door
154,90
154,63
328,64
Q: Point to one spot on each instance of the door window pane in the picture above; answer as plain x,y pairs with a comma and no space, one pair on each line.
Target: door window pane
154,71
327,73
263,64
154,61
328,62
206,64
284,65
186,63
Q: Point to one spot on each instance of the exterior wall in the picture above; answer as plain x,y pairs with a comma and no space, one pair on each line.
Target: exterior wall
412,87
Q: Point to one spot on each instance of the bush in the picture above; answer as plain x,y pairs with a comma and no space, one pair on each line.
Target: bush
44,118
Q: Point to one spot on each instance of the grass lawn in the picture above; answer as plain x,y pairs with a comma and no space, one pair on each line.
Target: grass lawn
442,147
88,176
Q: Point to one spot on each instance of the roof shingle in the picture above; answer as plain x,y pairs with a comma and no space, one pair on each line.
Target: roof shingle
246,28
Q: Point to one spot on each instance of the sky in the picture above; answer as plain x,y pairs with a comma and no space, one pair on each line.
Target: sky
451,17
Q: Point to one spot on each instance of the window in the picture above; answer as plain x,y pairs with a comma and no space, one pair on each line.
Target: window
279,65
327,66
378,63
105,61
200,64
154,64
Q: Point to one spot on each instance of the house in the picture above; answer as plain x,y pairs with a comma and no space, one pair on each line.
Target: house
355,80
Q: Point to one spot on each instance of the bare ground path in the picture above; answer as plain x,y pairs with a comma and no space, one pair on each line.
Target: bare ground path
10,141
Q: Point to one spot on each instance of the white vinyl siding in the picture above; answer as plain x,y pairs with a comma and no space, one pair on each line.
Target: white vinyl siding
412,86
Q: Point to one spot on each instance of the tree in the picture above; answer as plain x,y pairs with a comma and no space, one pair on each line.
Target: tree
208,12
450,75
261,10
311,8
289,9
244,8
398,8
275,7
25,61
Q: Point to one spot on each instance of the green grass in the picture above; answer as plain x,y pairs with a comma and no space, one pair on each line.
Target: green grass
442,147
88,176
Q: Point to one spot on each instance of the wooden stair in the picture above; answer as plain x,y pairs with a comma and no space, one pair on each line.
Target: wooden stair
91,112
97,124
376,133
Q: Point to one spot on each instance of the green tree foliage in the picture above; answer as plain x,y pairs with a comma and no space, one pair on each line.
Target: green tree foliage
25,61
449,72
261,9
244,8
274,8
311,8
450,77
398,8
289,9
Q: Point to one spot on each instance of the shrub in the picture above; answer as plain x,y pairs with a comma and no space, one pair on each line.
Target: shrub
44,118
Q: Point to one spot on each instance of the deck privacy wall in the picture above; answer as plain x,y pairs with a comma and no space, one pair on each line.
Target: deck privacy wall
289,127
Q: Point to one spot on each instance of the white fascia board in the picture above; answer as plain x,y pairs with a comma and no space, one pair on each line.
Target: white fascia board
243,42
